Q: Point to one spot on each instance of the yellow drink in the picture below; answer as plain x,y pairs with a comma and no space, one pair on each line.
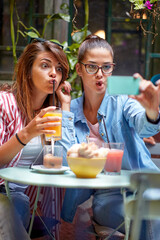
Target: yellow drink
58,134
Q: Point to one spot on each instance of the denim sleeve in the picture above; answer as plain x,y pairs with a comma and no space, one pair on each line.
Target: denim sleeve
136,117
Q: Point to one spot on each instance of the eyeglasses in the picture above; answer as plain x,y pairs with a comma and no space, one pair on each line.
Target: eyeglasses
44,40
93,68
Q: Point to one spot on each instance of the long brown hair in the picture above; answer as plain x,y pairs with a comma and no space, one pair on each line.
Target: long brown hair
22,88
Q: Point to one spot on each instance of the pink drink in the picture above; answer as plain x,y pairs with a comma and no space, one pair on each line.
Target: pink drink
50,161
114,160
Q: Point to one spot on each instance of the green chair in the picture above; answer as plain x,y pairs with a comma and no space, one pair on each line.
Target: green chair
141,207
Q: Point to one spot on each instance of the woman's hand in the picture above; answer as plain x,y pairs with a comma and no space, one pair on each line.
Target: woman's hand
149,140
64,96
35,128
38,125
149,97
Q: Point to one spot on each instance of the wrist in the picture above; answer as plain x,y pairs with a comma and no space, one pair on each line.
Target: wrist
23,136
154,121
19,140
66,106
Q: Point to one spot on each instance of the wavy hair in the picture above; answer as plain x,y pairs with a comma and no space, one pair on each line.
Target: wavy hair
22,88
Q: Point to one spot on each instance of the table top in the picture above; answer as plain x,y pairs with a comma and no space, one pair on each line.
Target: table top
64,180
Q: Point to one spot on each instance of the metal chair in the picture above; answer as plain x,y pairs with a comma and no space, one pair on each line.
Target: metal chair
105,233
139,207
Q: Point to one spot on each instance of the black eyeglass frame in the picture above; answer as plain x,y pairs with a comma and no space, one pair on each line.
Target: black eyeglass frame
110,64
44,40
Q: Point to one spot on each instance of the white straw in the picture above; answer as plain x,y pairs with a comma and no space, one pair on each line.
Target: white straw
52,143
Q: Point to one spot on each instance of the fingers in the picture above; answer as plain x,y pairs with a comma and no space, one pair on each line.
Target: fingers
149,140
45,110
157,82
137,75
65,87
44,121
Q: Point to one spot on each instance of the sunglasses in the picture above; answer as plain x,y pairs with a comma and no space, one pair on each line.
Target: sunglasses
42,40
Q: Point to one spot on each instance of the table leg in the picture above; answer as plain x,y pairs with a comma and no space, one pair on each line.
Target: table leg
34,210
7,189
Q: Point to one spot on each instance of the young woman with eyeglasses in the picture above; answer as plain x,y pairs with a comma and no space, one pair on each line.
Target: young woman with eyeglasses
127,119
22,108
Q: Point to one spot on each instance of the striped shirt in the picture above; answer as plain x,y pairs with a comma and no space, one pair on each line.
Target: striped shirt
11,122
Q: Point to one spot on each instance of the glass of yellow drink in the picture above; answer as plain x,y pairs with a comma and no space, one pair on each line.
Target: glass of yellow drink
58,134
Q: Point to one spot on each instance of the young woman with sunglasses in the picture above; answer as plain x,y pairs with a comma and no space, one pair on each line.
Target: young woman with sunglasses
127,119
22,108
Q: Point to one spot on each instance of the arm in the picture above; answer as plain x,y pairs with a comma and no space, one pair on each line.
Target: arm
135,115
9,148
148,98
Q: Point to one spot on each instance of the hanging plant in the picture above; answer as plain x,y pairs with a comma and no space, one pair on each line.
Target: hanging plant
141,4
146,9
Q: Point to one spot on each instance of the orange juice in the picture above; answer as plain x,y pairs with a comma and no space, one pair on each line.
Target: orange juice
58,134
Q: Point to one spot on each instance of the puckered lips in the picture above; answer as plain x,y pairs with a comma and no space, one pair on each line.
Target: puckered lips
99,83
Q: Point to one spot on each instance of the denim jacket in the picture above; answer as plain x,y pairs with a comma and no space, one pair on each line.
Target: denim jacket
126,122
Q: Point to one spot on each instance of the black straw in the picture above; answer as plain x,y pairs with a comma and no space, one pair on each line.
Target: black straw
53,92
106,131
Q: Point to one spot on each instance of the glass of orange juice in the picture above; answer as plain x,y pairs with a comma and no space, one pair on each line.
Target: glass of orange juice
58,134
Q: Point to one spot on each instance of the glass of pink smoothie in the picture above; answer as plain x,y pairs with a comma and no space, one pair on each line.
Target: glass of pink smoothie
114,158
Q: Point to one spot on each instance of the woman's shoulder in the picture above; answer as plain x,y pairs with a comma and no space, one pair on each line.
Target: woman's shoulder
7,101
7,96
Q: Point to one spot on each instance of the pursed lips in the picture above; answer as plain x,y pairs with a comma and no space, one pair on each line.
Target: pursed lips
99,83
51,81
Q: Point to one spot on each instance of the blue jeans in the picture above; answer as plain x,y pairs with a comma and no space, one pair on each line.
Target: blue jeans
108,210
11,227
22,206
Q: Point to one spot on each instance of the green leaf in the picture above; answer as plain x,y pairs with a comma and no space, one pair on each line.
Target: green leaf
31,34
74,46
63,16
153,1
54,40
79,36
72,60
64,6
72,78
65,45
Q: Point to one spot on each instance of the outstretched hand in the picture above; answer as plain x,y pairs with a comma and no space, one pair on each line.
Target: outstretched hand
149,97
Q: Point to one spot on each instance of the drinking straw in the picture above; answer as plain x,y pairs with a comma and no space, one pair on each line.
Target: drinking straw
87,139
106,131
52,145
53,92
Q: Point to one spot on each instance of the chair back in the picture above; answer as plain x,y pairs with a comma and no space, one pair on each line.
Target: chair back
144,205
